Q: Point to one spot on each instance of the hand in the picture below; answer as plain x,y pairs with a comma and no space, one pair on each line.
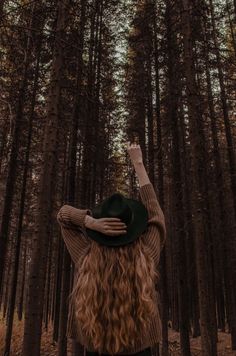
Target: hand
135,153
107,226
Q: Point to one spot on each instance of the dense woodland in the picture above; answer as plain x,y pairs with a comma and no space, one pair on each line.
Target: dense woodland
78,79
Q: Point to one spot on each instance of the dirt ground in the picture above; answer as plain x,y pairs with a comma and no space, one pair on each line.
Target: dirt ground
49,348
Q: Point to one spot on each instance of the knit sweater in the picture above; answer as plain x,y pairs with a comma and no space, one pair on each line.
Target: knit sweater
72,222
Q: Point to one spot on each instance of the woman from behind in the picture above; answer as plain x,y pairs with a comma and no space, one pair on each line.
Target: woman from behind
114,295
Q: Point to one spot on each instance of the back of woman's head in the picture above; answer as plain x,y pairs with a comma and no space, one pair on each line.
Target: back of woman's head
114,295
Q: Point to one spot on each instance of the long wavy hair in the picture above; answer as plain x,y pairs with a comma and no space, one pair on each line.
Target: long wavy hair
114,295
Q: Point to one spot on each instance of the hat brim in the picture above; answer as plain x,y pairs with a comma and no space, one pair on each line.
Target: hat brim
134,229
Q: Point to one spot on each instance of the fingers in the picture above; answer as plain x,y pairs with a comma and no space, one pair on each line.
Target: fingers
113,227
121,227
115,233
114,222
110,219
132,145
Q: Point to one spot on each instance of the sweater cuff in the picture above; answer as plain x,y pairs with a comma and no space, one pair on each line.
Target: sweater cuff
147,192
79,218
76,216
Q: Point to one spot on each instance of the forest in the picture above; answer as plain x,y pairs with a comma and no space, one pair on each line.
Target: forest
78,79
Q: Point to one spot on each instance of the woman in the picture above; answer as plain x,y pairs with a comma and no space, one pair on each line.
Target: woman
116,250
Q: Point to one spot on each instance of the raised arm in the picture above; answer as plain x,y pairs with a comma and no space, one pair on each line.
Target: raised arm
155,235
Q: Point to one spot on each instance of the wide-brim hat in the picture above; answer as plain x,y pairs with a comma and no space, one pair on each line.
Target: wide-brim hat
132,212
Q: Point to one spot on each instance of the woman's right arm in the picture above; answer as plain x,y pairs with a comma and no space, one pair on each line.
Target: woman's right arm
156,231
141,173
155,235
135,154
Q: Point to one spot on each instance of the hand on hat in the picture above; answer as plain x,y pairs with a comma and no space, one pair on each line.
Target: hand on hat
135,153
107,226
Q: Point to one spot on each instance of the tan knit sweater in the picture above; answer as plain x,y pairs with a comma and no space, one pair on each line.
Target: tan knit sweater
78,243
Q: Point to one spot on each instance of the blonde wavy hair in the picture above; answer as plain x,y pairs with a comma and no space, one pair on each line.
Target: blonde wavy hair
114,295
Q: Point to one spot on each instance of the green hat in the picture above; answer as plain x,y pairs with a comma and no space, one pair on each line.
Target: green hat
132,212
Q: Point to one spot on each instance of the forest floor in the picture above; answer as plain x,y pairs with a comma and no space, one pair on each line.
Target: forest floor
49,348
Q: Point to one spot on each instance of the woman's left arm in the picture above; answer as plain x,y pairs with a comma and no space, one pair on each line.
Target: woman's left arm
71,217
72,223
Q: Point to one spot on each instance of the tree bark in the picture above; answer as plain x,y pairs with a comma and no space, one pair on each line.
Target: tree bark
35,300
207,319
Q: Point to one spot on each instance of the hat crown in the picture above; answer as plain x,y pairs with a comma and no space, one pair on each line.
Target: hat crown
130,211
116,206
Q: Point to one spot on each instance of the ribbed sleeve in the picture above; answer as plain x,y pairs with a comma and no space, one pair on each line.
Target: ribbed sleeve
69,215
155,235
72,225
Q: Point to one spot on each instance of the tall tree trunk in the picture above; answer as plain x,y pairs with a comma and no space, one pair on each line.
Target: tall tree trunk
226,221
98,138
160,185
35,300
232,28
207,320
13,161
89,130
22,286
71,182
190,243
56,309
20,220
179,233
228,131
